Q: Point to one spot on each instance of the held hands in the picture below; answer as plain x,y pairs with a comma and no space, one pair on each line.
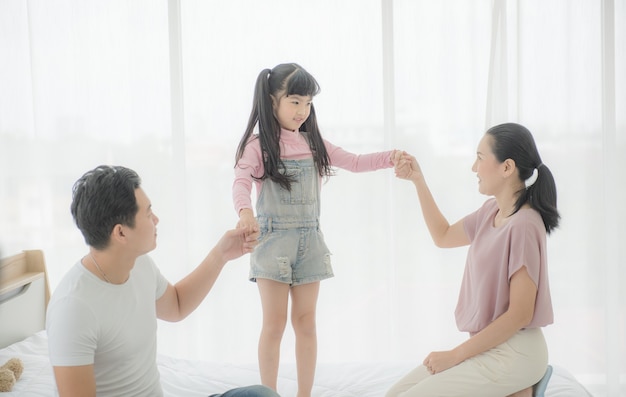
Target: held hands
406,166
237,242
240,241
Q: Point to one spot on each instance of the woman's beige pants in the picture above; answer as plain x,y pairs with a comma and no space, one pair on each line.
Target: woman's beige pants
512,366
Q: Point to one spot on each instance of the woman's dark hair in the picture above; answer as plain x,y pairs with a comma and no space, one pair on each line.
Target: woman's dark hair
102,198
284,80
515,142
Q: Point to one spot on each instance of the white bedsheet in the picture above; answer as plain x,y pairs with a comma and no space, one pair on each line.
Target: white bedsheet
182,378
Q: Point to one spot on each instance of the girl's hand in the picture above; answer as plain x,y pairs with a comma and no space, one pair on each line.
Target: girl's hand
399,160
396,155
246,218
248,222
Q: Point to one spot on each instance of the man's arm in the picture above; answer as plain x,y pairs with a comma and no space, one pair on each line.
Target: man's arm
76,381
181,299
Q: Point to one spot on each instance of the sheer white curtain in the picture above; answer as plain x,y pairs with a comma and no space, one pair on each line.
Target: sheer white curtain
166,88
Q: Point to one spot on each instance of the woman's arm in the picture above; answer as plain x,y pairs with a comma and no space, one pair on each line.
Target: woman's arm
443,234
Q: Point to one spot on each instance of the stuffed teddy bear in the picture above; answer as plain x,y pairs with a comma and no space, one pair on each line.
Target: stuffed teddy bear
10,373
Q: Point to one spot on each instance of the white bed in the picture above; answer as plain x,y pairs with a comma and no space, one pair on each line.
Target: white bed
24,290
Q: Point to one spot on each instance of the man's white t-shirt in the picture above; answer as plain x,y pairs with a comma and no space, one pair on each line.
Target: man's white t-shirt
113,327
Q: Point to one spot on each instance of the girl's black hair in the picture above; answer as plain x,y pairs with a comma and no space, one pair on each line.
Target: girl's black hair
515,142
284,80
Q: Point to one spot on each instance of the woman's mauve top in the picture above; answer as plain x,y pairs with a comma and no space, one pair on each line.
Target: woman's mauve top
494,255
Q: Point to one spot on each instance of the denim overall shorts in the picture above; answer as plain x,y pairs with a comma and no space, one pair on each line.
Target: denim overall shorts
291,246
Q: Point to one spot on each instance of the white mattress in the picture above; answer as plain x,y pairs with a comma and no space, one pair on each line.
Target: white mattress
181,378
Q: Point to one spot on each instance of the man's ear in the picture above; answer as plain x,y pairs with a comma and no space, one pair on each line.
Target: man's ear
118,232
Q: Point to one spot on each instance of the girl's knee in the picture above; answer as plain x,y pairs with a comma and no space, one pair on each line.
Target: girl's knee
273,332
304,324
274,328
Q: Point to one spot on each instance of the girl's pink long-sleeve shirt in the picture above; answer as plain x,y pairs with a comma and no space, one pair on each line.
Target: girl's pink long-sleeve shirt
294,146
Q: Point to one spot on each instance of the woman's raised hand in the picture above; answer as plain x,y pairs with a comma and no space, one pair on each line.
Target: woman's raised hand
407,167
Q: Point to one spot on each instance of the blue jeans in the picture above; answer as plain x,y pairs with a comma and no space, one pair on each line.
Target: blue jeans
249,391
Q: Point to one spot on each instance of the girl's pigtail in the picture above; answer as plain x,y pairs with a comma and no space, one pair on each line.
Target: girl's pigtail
260,92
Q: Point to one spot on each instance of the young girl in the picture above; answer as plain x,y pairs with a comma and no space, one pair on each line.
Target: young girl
286,162
505,296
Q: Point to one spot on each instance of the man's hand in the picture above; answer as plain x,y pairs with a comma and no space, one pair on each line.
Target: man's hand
237,242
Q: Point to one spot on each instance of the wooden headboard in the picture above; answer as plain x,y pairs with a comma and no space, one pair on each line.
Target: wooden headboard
24,295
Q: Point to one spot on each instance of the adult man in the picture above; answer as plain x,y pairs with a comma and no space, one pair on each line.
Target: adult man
102,317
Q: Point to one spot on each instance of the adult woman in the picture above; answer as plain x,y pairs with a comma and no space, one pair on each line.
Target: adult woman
505,297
